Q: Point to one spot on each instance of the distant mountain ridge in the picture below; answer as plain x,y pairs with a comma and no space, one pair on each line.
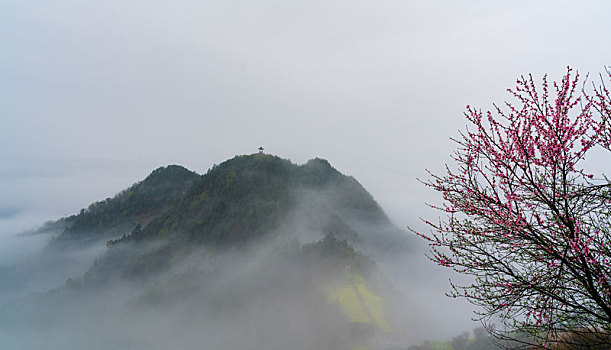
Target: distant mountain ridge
250,199
286,254
244,197
255,191
138,204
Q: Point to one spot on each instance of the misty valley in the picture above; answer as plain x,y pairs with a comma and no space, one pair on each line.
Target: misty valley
258,253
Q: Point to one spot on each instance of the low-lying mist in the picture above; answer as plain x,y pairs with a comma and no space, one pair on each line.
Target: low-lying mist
267,296
272,296
325,277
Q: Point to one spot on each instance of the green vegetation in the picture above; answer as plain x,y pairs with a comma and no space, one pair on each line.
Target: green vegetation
232,203
233,240
240,202
243,198
138,204
479,341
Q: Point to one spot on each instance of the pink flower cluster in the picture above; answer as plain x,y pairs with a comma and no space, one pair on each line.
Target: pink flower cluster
523,218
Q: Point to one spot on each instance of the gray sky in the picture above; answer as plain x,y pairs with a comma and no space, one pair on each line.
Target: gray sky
96,94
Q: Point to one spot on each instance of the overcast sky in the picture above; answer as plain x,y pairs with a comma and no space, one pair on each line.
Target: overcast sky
96,94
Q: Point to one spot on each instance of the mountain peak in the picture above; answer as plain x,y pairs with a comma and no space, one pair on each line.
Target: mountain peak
245,199
138,204
318,162
169,171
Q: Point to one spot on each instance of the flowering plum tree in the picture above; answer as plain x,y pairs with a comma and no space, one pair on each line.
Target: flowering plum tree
526,221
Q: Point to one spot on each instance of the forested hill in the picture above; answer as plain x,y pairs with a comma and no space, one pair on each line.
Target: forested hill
138,204
248,196
252,243
250,199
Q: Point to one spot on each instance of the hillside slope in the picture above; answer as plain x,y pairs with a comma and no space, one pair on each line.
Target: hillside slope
256,253
138,204
250,200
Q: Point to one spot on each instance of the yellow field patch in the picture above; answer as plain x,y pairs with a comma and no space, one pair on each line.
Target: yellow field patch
359,304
